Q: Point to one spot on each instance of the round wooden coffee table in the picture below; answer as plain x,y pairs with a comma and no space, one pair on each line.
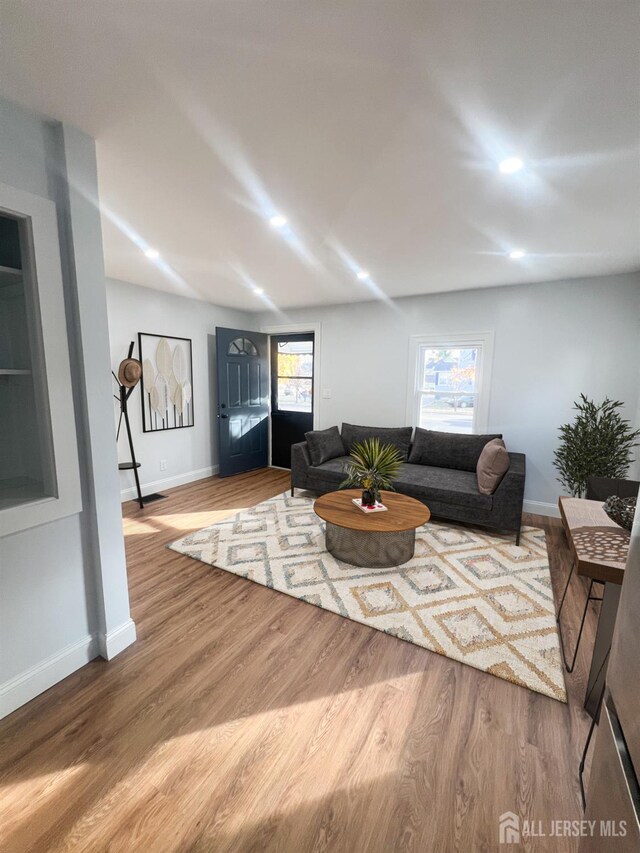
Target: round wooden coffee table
375,540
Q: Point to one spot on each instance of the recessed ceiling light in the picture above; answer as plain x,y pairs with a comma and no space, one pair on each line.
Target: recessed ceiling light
517,254
278,221
152,254
363,275
510,166
258,291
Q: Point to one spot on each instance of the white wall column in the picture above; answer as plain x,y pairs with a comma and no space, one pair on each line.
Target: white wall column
98,456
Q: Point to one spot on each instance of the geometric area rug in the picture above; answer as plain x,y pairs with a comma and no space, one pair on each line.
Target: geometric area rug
467,594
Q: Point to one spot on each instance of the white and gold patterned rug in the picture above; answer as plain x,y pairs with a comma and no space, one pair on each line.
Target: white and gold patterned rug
467,594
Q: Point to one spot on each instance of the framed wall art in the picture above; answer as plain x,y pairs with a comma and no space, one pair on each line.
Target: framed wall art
167,382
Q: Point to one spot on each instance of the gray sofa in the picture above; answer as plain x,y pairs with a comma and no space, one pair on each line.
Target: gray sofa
440,471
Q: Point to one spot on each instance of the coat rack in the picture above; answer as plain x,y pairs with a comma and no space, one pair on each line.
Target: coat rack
129,374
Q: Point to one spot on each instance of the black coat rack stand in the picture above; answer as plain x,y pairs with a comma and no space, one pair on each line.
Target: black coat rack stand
124,392
123,397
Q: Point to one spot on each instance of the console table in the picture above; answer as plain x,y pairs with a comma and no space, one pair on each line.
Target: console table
600,548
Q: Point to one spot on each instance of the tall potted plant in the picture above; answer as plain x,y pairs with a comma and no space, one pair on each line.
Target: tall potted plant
374,467
598,443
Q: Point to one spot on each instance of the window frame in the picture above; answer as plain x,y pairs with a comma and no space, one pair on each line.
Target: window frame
293,328
483,342
275,376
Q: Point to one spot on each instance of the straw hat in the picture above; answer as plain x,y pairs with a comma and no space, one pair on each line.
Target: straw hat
129,372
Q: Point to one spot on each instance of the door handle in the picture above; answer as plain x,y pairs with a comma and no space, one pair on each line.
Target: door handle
223,416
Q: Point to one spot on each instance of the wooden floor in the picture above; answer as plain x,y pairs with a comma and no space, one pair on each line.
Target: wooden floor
245,720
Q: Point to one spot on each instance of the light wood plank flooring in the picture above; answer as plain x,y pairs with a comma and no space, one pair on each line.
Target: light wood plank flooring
245,720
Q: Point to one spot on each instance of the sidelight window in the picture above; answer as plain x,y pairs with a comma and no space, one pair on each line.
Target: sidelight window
293,376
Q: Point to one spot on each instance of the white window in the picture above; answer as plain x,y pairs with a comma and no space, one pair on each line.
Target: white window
449,378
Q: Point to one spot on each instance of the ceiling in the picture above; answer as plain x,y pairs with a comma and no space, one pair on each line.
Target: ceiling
375,128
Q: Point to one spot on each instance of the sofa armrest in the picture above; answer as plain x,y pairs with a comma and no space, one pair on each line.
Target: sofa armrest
518,466
300,462
509,496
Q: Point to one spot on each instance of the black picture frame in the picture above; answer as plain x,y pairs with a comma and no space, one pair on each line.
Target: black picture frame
178,413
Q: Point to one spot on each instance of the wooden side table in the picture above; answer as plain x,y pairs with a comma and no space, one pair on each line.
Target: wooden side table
600,548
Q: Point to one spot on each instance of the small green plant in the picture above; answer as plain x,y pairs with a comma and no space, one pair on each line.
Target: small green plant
375,466
597,444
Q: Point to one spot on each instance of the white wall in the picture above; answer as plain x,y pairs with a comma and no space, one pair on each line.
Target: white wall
552,341
635,468
190,453
63,585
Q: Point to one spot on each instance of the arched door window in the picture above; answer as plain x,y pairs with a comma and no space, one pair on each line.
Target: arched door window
242,346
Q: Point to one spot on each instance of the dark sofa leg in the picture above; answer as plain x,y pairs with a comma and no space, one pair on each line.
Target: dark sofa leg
292,494
518,537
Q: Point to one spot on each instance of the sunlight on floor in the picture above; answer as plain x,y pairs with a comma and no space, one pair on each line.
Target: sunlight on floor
14,789
251,766
20,796
194,520
137,527
183,522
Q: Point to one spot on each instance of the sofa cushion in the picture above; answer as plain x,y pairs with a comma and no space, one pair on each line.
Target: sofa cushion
324,444
400,437
493,464
445,485
448,449
333,466
330,473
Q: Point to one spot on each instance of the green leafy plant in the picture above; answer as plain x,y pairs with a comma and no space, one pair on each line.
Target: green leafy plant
375,466
597,444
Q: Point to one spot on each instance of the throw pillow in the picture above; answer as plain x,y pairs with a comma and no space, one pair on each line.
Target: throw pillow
493,464
324,444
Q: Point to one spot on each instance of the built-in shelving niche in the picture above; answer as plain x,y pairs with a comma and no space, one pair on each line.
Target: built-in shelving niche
23,468
39,465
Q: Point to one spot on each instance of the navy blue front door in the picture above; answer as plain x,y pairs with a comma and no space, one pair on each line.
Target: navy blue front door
243,400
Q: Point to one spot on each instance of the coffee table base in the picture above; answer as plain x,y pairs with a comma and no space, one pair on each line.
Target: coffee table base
370,549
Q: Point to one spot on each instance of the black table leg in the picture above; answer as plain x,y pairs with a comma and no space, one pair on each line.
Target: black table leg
601,647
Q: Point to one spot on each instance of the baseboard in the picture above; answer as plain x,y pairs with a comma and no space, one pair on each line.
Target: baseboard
541,508
113,642
34,681
169,482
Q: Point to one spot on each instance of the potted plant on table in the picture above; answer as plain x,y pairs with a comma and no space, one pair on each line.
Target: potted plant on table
374,467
